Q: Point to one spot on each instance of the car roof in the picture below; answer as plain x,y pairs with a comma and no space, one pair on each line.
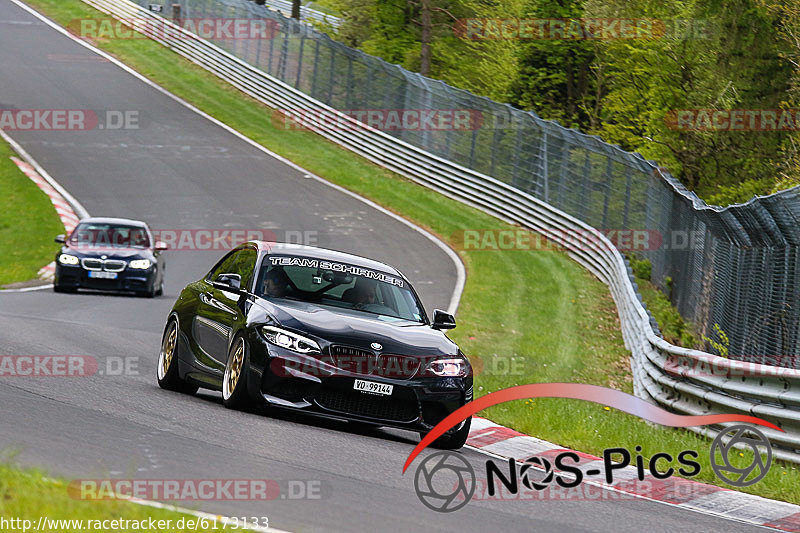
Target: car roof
282,248
111,220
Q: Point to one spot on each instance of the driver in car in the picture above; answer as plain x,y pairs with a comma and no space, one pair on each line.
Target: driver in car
276,283
363,292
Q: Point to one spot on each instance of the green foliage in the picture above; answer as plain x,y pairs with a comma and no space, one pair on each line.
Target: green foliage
733,63
391,30
559,79
739,193
641,267
673,327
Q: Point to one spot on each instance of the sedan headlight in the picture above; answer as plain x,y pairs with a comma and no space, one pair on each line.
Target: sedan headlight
140,264
288,340
67,259
452,367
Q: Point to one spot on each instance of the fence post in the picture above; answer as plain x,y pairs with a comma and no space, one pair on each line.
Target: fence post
543,151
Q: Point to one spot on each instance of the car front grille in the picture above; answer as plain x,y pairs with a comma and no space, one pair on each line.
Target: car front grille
114,265
109,265
92,264
353,359
402,408
397,366
365,362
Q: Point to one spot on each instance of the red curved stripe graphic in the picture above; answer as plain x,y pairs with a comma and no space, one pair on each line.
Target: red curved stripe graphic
579,391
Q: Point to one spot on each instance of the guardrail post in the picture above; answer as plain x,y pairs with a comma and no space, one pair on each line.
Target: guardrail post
176,13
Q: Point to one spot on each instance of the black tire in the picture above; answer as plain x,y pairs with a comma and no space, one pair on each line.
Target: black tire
149,293
167,372
234,380
160,290
453,441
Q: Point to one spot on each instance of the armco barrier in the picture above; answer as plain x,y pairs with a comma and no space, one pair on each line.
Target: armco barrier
770,392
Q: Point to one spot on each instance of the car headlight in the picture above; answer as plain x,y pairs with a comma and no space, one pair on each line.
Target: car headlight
451,367
288,340
67,259
140,264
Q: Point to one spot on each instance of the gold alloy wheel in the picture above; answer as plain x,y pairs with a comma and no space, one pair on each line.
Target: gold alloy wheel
169,348
235,369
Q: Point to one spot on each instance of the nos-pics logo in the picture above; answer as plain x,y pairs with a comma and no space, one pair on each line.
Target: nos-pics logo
446,481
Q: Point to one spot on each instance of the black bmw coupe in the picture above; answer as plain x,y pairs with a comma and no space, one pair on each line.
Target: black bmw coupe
330,333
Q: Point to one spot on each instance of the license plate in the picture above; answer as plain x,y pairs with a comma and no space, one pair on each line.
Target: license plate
372,387
102,275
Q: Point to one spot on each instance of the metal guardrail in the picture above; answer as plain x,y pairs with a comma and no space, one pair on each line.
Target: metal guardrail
684,380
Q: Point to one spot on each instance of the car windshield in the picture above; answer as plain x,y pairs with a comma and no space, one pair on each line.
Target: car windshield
93,234
338,285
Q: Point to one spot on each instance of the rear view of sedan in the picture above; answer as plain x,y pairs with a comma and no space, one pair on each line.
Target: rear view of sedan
110,254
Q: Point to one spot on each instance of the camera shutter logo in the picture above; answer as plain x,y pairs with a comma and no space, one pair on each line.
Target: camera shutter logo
542,464
758,445
445,482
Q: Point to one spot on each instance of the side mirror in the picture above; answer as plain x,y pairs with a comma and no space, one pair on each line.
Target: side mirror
228,281
161,246
443,320
61,239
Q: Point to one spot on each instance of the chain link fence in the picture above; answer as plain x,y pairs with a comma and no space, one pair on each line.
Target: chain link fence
735,267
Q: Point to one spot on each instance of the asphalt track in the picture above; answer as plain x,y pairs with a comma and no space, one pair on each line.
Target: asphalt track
181,171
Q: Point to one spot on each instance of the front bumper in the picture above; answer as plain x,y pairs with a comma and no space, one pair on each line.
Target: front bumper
76,277
303,382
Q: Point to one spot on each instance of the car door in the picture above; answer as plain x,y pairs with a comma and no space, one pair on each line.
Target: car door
220,311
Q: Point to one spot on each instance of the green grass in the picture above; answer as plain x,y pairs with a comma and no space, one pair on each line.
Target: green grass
28,223
540,308
29,495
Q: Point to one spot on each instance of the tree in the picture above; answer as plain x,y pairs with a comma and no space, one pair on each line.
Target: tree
787,15
727,60
406,33
559,79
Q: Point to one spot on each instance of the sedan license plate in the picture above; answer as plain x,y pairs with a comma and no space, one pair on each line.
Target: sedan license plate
373,387
102,275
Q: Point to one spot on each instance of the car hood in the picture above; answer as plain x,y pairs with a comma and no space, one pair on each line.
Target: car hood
114,253
357,329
